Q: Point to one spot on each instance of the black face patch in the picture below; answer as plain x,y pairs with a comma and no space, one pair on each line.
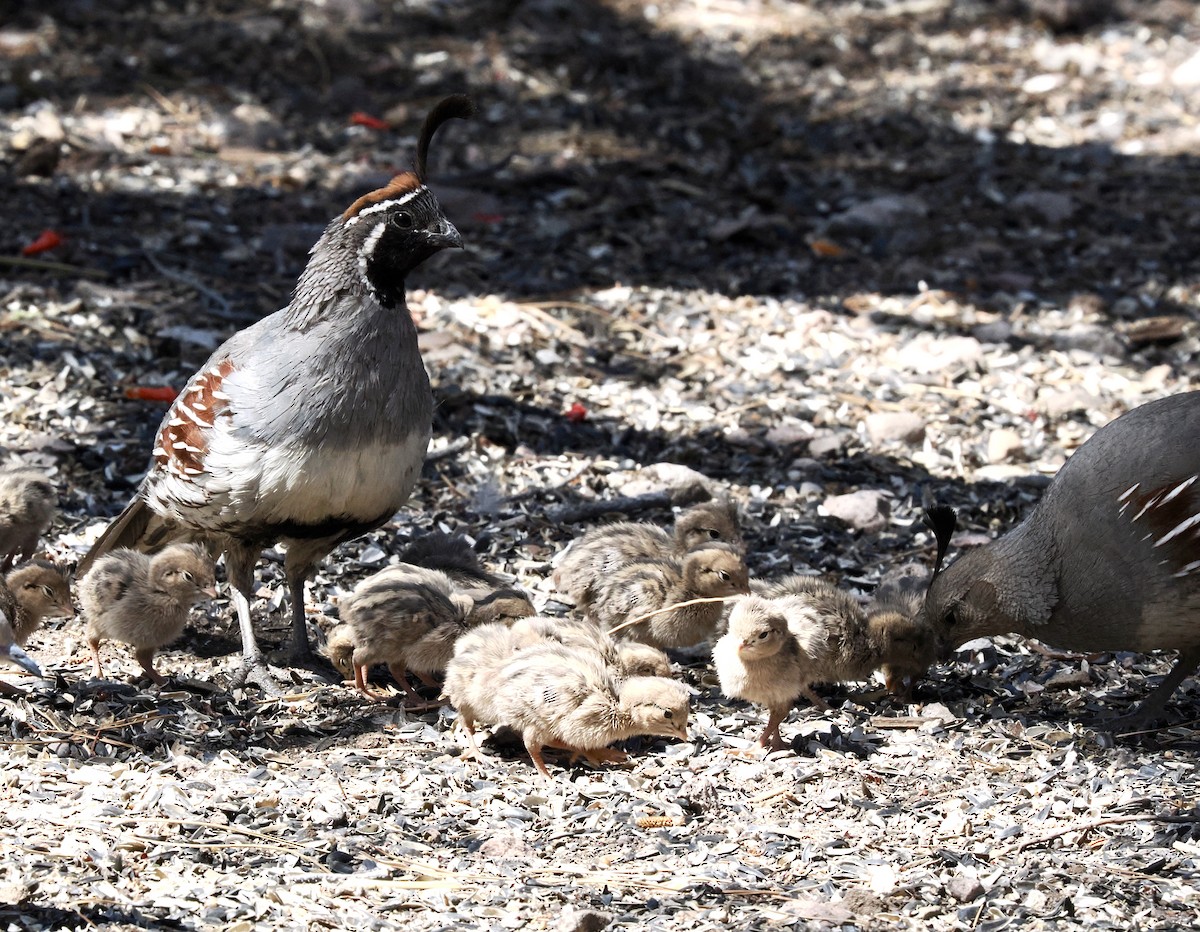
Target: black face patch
398,236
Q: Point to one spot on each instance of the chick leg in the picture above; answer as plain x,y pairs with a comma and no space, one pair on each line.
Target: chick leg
418,702
534,747
97,672
360,683
239,567
814,698
771,738
468,725
145,657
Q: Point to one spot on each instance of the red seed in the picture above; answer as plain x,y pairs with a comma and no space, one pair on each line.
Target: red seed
151,393
359,118
48,239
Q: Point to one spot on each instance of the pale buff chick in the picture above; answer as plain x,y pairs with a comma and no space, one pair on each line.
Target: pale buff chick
855,645
144,600
504,604
407,617
470,682
454,556
606,549
714,571
629,658
27,503
898,604
568,698
33,592
759,659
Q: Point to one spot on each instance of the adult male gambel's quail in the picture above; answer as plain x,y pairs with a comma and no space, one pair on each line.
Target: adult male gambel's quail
310,426
1108,560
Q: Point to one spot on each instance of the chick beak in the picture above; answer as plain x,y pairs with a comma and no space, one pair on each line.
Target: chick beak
210,591
22,660
66,610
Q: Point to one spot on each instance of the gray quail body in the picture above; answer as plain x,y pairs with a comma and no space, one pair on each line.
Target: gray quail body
309,427
1109,559
144,601
11,652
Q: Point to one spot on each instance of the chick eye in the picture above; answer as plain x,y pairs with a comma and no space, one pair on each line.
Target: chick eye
713,533
762,635
188,576
667,714
48,591
402,220
951,617
724,576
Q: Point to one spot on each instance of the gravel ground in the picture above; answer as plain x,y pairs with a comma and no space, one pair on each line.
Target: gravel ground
829,259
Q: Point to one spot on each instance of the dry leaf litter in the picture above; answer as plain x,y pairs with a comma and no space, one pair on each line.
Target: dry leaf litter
824,258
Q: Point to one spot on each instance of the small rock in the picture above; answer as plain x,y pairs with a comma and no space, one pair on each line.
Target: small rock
1053,207
785,434
880,213
927,354
866,509
664,477
1055,403
1002,443
895,427
964,889
826,443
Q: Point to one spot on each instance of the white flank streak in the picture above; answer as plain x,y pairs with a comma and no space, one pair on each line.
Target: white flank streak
1179,488
384,205
1191,567
1129,491
1179,529
220,396
1150,504
192,416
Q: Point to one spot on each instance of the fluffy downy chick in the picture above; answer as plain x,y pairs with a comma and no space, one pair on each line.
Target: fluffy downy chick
452,555
32,593
843,642
407,617
144,600
27,503
758,659
629,658
606,549
711,571
564,698
896,604
470,683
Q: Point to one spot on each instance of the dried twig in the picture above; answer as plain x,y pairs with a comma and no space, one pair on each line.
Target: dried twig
637,619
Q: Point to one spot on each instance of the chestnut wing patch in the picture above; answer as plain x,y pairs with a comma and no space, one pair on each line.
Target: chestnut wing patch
183,439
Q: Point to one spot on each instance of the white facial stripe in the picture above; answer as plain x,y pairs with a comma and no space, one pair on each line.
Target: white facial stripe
385,205
368,247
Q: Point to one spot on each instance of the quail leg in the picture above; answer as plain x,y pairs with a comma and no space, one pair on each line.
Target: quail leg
97,671
360,683
239,566
815,699
535,754
1154,705
299,651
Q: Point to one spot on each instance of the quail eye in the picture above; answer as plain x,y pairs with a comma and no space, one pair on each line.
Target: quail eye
667,713
713,533
724,576
48,591
762,635
188,576
402,220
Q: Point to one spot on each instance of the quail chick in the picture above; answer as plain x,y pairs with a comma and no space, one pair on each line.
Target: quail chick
569,698
758,659
27,502
407,617
32,593
10,652
712,571
629,658
843,642
606,549
504,604
339,648
144,600
898,601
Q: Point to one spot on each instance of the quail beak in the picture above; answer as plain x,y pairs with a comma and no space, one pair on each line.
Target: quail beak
210,591
65,610
22,660
442,235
